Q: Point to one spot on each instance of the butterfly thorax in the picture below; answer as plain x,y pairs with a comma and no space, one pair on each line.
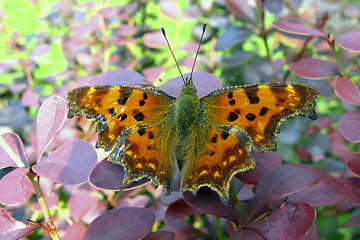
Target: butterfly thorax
186,108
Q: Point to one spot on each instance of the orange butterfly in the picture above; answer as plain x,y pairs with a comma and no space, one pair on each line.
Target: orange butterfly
208,138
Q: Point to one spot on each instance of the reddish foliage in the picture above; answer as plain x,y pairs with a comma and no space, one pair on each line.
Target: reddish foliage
273,201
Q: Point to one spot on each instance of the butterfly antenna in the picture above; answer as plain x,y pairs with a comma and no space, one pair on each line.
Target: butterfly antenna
172,53
198,50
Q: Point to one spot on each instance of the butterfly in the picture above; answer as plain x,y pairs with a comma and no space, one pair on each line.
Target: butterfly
208,139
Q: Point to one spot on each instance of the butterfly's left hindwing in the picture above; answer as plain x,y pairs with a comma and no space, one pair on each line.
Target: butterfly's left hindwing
224,153
133,120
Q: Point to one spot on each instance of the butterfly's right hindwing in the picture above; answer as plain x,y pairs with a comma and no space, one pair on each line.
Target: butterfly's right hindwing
133,121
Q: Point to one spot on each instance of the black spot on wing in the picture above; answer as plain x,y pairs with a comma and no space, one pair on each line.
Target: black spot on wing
263,111
278,91
151,135
112,111
224,135
141,131
122,117
150,147
139,116
237,111
252,95
232,116
250,117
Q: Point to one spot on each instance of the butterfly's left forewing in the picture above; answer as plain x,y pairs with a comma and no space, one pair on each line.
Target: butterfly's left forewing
134,121
259,109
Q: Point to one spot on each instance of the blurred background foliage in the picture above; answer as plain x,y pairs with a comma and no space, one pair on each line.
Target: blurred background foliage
49,47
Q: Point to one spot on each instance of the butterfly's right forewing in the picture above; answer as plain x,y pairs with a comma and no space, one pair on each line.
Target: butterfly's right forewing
135,121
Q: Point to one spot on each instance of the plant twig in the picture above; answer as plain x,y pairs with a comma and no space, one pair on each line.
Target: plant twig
40,196
338,59
218,228
35,182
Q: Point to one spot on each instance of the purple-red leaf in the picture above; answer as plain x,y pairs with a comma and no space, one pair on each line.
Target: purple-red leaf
282,181
299,29
355,184
154,40
29,98
349,41
185,231
329,191
347,90
107,12
13,229
231,36
39,51
240,8
125,30
355,222
108,175
129,223
82,203
264,162
152,73
204,82
5,65
274,6
354,166
189,47
188,62
314,68
69,164
311,234
16,146
122,77
75,232
160,235
169,8
137,201
51,117
209,202
87,28
349,126
11,187
178,210
292,221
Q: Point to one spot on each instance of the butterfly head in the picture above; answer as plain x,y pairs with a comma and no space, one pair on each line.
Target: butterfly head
189,86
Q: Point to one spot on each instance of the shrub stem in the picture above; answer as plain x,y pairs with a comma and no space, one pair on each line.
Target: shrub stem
49,223
337,56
